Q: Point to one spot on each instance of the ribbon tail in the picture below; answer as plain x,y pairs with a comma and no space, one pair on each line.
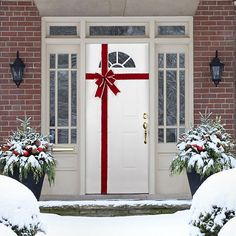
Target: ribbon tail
100,91
113,88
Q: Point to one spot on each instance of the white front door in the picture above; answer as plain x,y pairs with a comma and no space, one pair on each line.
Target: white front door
127,154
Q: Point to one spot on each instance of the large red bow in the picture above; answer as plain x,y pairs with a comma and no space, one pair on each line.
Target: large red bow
105,80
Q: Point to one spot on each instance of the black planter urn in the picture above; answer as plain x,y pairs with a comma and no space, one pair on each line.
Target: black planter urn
195,180
30,183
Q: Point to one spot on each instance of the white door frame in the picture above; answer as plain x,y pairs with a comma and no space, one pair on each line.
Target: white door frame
151,38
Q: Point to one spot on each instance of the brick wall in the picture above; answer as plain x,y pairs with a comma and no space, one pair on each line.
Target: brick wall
20,29
214,29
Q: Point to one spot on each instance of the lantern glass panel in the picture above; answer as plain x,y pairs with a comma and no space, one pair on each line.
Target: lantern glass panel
216,73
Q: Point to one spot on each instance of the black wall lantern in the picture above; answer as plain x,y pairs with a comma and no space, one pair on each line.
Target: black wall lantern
17,70
216,68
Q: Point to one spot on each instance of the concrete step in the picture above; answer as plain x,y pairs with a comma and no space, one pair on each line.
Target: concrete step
108,208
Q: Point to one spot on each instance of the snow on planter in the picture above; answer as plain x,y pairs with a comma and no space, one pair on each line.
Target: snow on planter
229,228
214,204
6,231
18,208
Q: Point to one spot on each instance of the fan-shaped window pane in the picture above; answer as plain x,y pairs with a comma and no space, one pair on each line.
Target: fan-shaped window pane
122,57
119,60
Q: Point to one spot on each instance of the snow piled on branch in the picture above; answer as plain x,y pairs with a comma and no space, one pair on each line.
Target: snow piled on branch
6,231
229,228
217,192
18,206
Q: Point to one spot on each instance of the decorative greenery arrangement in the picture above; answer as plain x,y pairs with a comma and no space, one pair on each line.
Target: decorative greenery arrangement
206,148
27,151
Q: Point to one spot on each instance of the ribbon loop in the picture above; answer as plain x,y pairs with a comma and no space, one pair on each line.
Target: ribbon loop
105,80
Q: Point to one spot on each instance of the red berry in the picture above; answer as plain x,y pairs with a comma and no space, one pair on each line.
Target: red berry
39,149
15,152
26,153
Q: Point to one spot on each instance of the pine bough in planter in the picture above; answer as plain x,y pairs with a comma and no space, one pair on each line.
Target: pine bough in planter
27,152
207,149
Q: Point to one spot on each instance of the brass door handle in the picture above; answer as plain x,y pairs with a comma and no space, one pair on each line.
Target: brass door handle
145,127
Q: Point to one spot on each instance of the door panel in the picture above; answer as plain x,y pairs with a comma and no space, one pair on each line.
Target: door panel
172,112
62,116
127,153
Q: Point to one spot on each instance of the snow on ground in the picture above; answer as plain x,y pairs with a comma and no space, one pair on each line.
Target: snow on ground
161,225
115,203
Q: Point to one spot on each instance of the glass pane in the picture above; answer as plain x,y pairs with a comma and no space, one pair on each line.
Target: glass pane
160,60
161,98
62,136
181,60
122,57
171,30
171,135
73,98
52,61
129,64
73,61
112,57
181,131
182,97
52,135
171,60
116,30
171,98
62,30
63,61
63,98
73,136
160,135
52,98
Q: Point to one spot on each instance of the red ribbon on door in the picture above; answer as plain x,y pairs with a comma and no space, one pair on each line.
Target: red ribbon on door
104,81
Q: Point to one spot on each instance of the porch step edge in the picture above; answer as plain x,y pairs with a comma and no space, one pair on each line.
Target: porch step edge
113,207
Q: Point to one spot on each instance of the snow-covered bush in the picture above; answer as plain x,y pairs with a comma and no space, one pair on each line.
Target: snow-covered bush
19,208
214,204
27,151
207,149
229,228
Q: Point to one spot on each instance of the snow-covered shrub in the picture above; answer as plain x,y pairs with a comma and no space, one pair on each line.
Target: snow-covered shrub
206,148
214,204
229,228
27,151
18,208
